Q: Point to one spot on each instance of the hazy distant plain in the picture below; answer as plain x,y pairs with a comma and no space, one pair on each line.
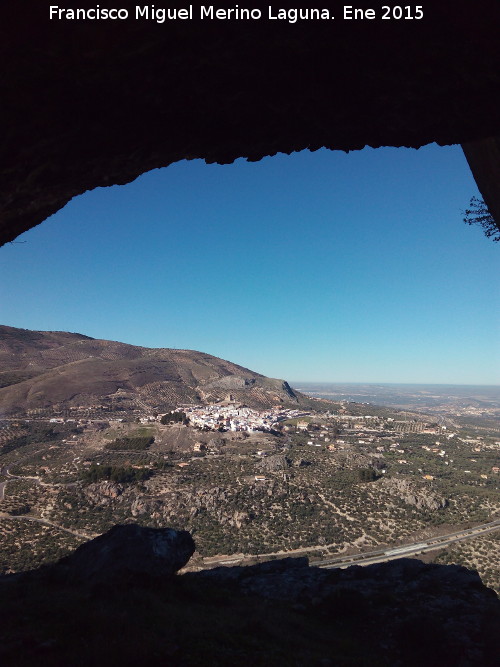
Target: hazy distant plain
409,396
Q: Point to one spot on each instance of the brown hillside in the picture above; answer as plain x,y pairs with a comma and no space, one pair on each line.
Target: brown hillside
40,370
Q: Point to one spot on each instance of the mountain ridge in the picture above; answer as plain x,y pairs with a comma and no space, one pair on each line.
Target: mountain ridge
43,370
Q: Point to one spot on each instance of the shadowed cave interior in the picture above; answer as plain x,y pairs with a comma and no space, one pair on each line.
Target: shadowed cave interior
87,106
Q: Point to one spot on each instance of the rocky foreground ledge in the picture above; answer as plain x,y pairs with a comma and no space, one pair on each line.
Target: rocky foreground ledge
117,600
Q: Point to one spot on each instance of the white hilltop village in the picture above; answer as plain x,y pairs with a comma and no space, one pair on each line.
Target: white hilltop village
231,416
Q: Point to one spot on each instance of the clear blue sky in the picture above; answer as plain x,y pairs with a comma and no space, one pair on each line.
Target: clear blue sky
318,266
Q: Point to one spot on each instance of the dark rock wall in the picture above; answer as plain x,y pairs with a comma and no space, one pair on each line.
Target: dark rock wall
87,104
116,601
484,160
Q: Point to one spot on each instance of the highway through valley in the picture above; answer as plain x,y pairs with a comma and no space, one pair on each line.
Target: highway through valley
413,549
379,555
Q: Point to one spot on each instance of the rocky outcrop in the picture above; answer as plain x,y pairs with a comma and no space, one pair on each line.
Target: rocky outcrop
411,493
102,493
219,503
353,459
240,518
230,382
274,463
128,551
151,506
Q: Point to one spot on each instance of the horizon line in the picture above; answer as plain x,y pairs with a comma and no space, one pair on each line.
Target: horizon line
425,384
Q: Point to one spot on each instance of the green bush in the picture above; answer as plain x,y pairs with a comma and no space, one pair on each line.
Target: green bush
136,443
121,475
367,475
174,417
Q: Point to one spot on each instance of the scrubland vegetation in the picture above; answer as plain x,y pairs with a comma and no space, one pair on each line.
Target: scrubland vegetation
262,494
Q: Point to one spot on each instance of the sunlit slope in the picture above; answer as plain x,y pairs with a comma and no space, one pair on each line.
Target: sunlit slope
40,370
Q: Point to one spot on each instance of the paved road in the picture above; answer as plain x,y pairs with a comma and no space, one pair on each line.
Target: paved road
376,556
3,515
3,471
413,549
6,471
46,522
